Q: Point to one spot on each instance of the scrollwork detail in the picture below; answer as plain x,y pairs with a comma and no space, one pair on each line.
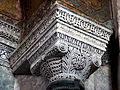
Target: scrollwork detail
62,46
62,63
79,63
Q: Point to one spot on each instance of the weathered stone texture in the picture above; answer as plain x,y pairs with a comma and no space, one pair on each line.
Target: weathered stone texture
89,84
118,17
118,8
100,80
6,79
25,82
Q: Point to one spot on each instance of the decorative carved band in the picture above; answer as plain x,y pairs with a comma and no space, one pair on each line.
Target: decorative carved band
4,53
63,45
60,15
83,24
62,61
10,33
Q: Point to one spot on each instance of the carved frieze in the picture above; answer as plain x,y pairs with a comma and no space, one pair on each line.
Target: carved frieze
62,61
9,34
97,9
59,15
63,46
4,53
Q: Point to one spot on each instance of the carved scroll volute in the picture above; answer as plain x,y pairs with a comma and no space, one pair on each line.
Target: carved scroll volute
56,52
61,62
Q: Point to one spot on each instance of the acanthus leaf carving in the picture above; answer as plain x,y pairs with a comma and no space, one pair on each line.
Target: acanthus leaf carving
61,63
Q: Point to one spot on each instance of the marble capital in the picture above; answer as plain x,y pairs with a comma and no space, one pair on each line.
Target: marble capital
64,45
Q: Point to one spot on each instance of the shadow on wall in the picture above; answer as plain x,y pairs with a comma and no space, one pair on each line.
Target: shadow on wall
114,58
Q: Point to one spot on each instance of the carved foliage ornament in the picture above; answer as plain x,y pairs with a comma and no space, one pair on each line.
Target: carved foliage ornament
66,17
55,53
61,62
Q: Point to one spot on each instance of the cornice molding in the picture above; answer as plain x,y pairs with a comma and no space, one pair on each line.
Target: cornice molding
9,34
63,36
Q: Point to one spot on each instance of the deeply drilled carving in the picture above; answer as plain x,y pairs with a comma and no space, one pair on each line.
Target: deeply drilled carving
9,34
80,27
65,62
63,46
4,53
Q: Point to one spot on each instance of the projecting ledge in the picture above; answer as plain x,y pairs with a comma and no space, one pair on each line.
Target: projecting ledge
63,46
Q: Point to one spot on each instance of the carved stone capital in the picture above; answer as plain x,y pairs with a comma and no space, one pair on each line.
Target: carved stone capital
64,45
57,51
63,61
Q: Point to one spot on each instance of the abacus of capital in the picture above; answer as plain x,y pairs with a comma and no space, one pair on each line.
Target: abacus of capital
65,48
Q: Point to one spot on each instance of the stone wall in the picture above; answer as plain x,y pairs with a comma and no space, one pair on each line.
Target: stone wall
118,7
118,18
100,80
25,82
